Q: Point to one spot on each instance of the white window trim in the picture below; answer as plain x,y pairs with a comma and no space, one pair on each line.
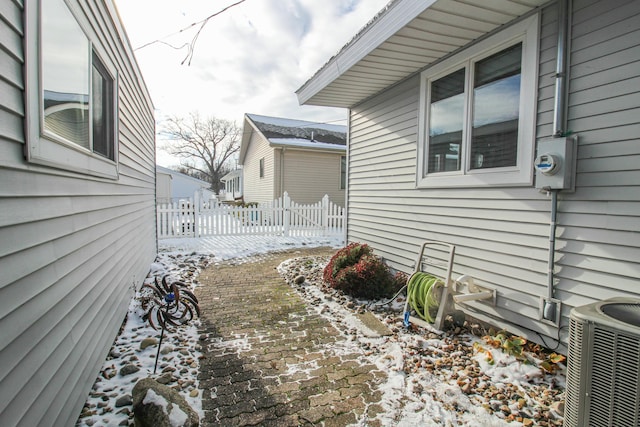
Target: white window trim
46,150
527,32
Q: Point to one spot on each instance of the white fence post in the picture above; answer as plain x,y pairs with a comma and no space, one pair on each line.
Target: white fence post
325,214
196,218
196,214
286,213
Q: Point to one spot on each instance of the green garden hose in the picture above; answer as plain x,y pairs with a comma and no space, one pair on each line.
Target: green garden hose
421,294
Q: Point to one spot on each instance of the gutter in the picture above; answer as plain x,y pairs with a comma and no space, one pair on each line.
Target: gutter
325,147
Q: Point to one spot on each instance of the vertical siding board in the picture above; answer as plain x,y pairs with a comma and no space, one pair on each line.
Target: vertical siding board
103,233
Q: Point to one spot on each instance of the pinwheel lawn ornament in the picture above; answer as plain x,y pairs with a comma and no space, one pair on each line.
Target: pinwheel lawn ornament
171,305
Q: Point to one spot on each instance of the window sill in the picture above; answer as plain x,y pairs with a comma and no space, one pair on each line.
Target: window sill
506,177
60,156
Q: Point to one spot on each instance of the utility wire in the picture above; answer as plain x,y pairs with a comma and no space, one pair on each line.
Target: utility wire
191,46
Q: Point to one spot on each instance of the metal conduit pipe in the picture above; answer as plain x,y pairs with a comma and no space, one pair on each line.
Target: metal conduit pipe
559,123
552,241
559,118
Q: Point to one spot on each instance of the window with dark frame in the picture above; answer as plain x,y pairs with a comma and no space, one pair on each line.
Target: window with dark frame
262,168
446,121
478,112
493,117
496,109
102,113
343,172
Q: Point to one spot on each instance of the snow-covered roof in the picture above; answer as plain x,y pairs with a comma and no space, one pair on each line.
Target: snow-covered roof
231,175
300,133
176,174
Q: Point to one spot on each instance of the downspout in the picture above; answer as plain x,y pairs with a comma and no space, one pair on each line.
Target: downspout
282,171
346,183
559,123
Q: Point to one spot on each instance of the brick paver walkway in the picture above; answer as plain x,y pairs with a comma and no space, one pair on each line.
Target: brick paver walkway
269,360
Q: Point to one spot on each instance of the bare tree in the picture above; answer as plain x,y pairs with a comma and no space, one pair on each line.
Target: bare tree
204,145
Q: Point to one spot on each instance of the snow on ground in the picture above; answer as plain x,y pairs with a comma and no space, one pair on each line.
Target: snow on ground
434,379
457,378
133,354
228,247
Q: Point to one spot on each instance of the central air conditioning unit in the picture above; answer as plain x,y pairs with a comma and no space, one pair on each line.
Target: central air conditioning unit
603,369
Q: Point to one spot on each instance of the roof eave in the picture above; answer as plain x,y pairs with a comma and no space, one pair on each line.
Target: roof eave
245,140
404,39
394,18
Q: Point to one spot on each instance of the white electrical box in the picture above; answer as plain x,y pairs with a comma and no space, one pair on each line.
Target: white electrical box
555,163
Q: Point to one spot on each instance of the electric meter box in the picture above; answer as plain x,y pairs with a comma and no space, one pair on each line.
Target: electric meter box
555,163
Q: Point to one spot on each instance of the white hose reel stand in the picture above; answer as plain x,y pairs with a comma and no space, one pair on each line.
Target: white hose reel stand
467,290
426,261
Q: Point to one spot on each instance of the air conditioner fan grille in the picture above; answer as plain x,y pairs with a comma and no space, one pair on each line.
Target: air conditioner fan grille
624,312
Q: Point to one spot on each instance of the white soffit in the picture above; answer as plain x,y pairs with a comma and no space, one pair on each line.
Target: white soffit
403,39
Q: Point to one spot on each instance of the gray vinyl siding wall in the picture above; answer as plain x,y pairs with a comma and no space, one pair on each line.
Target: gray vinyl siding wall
72,247
600,222
309,175
255,188
502,234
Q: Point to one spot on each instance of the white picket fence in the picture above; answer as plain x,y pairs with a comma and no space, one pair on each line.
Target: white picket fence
283,216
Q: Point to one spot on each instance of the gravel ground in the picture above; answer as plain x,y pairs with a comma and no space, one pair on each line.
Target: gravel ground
445,377
461,358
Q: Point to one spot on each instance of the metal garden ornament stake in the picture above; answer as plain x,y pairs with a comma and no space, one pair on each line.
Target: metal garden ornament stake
171,304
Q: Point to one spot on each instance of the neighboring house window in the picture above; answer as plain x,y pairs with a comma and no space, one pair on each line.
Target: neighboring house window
71,93
477,112
262,168
343,172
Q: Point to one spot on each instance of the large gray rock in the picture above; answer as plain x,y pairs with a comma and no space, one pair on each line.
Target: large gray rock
156,405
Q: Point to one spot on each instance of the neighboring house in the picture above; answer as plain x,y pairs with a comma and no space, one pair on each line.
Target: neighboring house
450,102
305,159
232,185
77,209
173,186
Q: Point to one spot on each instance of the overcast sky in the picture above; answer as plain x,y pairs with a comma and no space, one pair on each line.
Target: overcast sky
249,59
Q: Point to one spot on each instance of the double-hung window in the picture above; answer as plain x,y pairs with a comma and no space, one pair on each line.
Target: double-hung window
71,92
477,113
